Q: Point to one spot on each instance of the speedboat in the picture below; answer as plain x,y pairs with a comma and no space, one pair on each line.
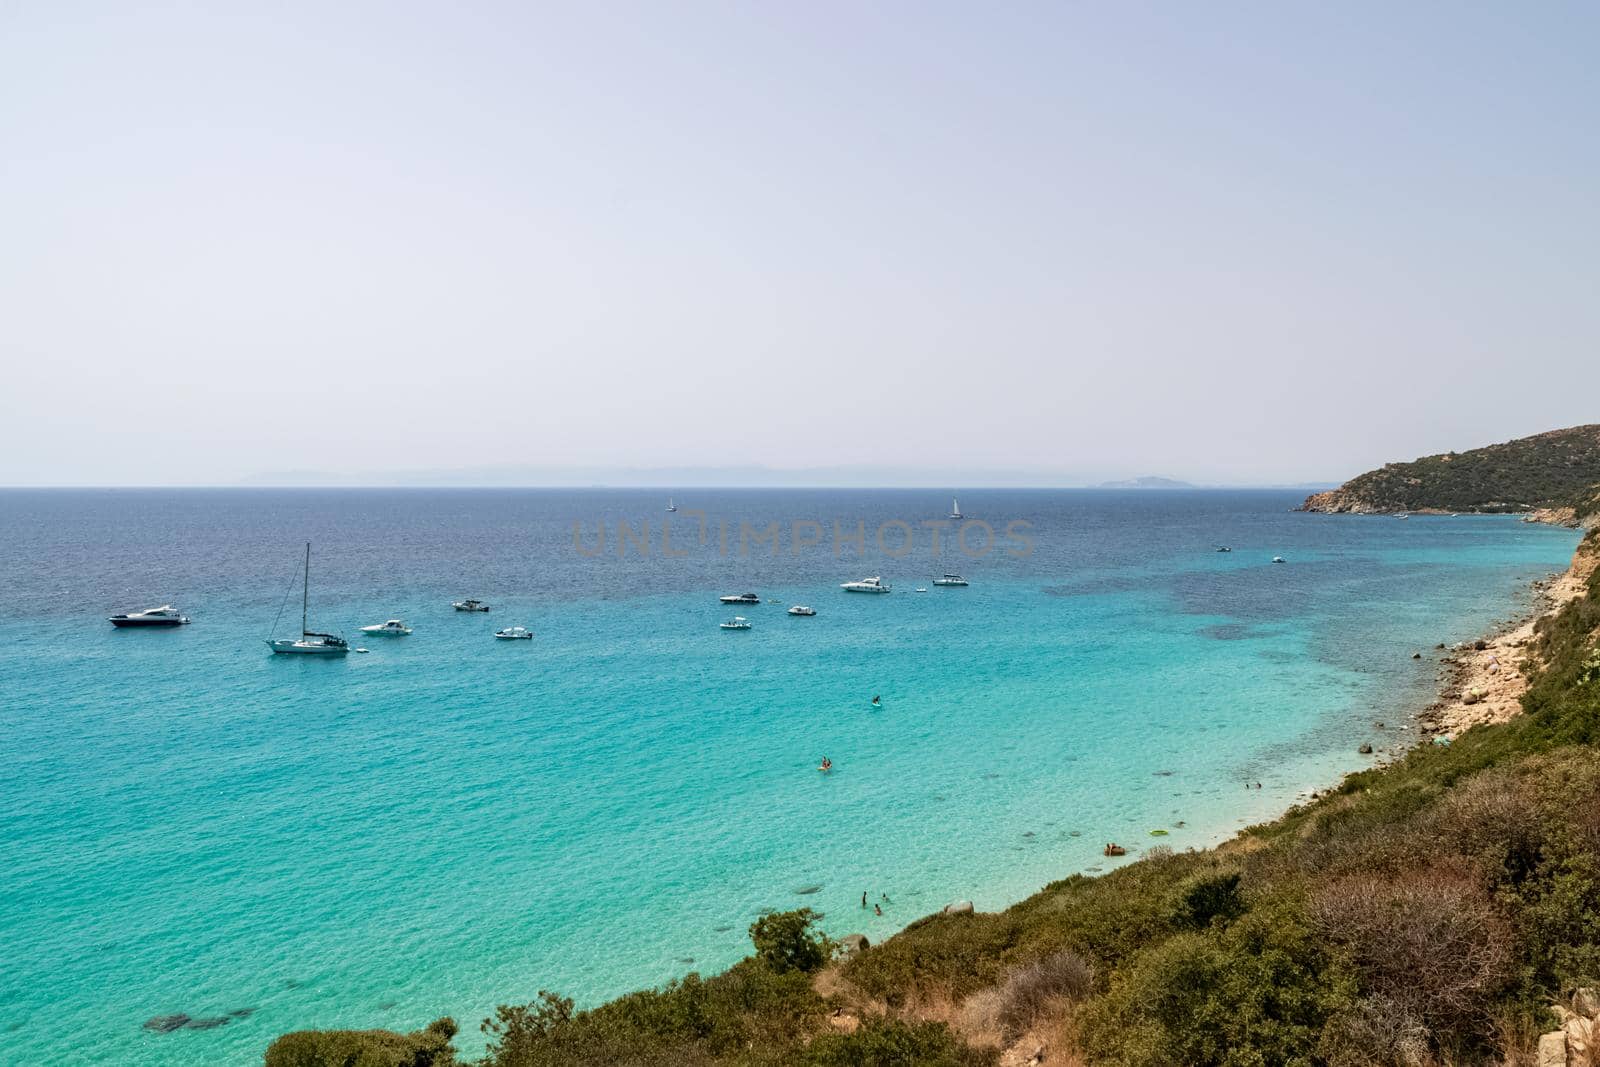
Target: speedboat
866,585
470,605
801,609
165,615
310,642
738,622
951,579
955,509
740,598
1224,548
392,628
922,589
1278,559
514,633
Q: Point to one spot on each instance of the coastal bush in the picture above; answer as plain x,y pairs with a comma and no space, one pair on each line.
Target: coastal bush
883,1042
429,1047
1373,1032
1029,990
1212,896
785,940
1431,941
1256,992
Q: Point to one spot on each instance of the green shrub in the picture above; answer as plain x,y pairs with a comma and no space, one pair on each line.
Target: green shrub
893,1043
429,1047
784,941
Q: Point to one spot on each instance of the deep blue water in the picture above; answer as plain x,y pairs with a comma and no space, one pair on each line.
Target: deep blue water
193,825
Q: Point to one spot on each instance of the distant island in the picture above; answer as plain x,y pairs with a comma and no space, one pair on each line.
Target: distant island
1556,474
1149,481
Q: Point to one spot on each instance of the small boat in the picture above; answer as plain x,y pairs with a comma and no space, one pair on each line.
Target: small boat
1114,849
1224,548
310,642
470,605
866,585
951,579
514,633
670,505
392,628
738,622
1279,559
165,615
801,609
740,598
922,589
363,650
955,509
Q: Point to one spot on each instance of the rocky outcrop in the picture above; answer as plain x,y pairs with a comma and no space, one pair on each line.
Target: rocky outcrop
1340,501
960,907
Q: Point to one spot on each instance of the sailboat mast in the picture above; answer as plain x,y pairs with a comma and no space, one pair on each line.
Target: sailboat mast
305,591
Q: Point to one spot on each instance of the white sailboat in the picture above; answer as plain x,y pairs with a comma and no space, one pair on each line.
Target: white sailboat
310,642
955,508
670,505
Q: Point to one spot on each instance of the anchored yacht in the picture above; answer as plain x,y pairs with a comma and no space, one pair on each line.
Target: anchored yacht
514,633
470,605
951,579
310,642
165,615
866,585
392,628
738,622
740,598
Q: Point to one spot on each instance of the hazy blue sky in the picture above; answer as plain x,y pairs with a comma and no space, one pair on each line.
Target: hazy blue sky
1226,242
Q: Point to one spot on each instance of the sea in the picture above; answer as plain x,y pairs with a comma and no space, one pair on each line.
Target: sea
191,826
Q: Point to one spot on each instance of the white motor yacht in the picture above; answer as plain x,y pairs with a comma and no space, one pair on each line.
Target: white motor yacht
951,579
866,585
740,598
802,609
514,633
470,605
165,615
738,622
392,628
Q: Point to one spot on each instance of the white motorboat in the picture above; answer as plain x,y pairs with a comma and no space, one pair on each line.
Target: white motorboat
470,605
514,633
310,642
740,598
802,609
1279,559
951,579
955,509
922,589
738,622
165,615
866,585
392,628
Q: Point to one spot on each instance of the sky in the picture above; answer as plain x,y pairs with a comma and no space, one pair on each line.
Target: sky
1226,242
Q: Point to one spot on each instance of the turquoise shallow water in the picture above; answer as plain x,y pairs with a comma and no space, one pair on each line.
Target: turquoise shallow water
193,825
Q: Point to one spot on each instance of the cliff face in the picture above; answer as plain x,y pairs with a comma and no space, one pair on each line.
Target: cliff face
1556,474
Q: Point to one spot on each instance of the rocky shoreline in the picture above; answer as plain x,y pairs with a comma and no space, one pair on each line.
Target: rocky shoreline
1483,681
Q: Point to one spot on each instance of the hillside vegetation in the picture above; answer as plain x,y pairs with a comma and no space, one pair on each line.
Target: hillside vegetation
1555,470
1442,910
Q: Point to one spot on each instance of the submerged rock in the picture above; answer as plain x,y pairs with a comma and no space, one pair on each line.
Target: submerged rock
206,1024
807,890
165,1024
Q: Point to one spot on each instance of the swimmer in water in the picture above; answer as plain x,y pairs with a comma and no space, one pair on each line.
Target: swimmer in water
877,702
825,765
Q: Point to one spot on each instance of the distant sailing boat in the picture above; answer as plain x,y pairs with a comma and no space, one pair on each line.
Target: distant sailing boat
670,505
310,643
955,508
